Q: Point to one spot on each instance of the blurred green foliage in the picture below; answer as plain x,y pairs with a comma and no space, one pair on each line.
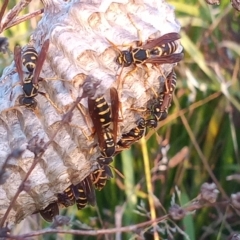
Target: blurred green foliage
203,121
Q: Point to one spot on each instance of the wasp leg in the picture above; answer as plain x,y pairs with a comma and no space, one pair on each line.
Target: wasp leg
146,75
16,84
89,138
119,88
166,89
146,83
165,82
16,108
115,46
52,79
145,68
120,116
154,92
46,95
138,109
131,72
117,171
86,117
139,32
120,82
98,175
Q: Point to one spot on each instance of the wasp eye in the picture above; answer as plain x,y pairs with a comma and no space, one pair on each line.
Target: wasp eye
127,58
119,60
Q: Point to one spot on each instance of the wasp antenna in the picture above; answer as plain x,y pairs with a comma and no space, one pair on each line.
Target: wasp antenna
97,175
153,90
118,172
119,81
139,32
46,95
114,45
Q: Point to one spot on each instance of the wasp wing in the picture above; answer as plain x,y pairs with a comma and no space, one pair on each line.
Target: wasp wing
18,61
173,58
115,111
40,61
169,37
89,190
80,196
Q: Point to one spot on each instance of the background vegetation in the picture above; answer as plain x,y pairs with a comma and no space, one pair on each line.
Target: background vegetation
197,142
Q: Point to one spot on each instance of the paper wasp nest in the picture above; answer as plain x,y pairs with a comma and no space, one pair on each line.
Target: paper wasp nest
80,33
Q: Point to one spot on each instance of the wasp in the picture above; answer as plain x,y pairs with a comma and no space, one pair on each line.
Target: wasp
67,198
156,51
50,212
33,62
81,199
102,118
159,108
133,135
84,193
103,173
100,176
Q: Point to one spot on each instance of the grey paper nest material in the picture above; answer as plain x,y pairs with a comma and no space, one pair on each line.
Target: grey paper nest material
79,32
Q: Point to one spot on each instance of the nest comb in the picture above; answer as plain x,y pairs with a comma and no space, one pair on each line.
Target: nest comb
80,33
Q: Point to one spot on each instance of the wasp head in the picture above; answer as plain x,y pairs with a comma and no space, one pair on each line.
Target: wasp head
28,102
125,58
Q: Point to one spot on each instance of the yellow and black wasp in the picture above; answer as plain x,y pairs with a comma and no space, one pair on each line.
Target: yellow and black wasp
67,198
102,117
100,176
159,107
80,196
84,193
133,135
103,173
33,63
156,51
